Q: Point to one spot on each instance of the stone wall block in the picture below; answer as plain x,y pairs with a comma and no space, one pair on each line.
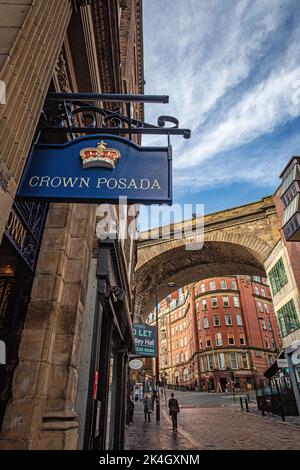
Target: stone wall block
54,239
32,344
63,349
45,287
58,382
58,216
39,314
73,270
76,248
51,262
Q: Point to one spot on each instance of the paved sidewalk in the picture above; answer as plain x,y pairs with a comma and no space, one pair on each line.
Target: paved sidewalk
214,428
152,436
294,420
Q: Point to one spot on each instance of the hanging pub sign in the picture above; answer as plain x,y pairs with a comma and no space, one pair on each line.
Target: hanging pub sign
98,168
145,337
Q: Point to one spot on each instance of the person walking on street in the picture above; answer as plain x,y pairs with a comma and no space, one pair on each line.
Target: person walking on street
173,410
147,410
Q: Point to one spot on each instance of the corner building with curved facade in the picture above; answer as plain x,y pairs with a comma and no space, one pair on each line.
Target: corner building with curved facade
216,333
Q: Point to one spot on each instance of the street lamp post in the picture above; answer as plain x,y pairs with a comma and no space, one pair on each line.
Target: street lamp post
170,284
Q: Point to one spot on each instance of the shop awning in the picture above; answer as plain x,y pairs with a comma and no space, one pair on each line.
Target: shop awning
275,367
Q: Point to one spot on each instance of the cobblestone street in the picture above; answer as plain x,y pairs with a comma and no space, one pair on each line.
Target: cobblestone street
211,428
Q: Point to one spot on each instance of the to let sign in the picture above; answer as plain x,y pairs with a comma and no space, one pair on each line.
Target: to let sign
145,337
98,168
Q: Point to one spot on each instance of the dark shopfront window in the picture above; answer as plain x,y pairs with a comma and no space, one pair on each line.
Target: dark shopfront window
15,287
18,255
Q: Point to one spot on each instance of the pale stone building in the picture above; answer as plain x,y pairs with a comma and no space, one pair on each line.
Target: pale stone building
63,326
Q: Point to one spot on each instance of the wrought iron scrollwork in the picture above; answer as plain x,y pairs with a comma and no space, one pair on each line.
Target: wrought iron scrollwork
85,114
32,216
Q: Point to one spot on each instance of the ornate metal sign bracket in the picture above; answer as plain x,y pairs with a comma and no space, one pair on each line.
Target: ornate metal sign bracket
83,113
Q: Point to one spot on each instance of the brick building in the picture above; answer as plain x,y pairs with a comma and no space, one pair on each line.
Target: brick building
63,329
215,328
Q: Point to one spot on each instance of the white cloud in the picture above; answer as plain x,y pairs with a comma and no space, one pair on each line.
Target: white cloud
204,53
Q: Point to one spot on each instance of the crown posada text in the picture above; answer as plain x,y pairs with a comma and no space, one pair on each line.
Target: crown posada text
89,182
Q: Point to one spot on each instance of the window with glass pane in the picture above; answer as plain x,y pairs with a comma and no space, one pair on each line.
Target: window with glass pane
204,304
233,361
214,302
236,301
210,358
225,301
199,324
219,339
245,361
205,322
267,343
223,284
231,340
239,320
277,276
242,341
222,361
266,308
233,285
263,292
259,306
288,319
212,285
228,320
208,343
216,320
202,287
256,290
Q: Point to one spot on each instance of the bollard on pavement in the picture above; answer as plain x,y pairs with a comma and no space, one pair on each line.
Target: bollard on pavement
247,406
248,397
241,401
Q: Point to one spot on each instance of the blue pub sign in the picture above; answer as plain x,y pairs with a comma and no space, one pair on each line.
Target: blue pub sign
145,337
98,168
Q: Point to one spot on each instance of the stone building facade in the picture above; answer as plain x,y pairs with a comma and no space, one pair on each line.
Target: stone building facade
50,264
217,331
283,270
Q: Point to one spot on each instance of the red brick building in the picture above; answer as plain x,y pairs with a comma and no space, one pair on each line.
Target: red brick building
216,331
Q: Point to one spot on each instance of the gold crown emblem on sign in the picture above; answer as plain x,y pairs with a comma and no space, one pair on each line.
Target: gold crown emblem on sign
100,156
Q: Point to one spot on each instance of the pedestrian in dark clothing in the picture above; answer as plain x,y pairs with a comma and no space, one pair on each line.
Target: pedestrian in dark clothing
130,408
173,410
153,398
147,410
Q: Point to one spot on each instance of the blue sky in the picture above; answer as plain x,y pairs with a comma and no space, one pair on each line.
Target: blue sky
232,71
